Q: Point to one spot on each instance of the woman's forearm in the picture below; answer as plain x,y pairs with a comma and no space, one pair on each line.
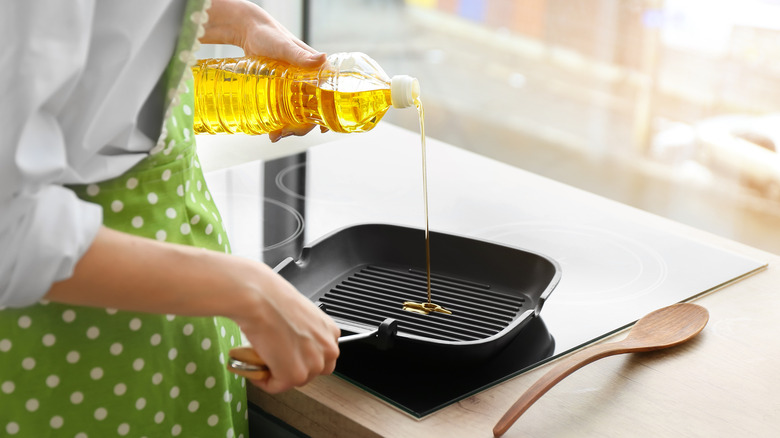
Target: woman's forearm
128,272
122,271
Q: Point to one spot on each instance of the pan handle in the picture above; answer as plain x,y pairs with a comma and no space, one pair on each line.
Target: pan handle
245,361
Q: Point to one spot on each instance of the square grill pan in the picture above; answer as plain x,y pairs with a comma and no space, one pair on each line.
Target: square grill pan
362,275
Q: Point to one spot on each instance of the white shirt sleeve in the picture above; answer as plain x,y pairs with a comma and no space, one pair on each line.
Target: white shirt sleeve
53,132
44,228
43,235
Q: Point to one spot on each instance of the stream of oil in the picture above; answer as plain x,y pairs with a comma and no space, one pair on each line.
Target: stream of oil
426,307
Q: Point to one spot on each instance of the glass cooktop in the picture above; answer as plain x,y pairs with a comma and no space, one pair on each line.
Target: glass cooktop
614,269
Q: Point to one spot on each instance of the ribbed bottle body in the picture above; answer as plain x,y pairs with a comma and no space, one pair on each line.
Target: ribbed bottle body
258,95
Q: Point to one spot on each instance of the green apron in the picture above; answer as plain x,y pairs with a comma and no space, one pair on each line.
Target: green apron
70,371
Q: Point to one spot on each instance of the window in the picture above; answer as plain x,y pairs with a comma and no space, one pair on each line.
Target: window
672,106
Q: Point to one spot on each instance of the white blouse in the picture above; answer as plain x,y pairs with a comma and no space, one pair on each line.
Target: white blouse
78,104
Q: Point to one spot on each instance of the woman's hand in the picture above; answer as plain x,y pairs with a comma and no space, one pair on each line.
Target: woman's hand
246,25
297,341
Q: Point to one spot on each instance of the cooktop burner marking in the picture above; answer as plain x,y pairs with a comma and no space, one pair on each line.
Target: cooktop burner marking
283,173
596,264
297,218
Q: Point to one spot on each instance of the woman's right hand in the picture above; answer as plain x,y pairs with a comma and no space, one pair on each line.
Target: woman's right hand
296,339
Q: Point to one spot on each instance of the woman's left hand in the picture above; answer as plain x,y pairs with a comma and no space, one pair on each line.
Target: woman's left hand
246,25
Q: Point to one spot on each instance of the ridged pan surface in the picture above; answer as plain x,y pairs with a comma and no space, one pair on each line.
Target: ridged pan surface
373,293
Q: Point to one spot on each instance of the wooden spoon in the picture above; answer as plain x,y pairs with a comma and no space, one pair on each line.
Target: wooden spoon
662,328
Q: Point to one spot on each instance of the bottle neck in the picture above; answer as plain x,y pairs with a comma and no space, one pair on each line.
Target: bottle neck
404,90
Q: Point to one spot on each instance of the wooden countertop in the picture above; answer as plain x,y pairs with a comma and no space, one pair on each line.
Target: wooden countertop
722,383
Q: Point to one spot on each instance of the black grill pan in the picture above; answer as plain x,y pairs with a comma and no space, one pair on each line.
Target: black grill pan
362,274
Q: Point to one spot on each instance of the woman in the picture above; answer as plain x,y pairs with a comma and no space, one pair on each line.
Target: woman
118,299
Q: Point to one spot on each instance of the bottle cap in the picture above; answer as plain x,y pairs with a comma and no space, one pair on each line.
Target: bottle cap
404,90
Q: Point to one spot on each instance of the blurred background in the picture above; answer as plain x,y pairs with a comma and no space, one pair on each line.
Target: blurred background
671,106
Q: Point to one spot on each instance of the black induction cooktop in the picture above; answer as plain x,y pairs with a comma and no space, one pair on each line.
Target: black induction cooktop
613,269
420,387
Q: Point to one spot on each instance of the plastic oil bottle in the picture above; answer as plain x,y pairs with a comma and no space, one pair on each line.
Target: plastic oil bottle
349,93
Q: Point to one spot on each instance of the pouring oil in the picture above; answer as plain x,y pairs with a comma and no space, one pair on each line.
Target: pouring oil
349,93
427,307
421,115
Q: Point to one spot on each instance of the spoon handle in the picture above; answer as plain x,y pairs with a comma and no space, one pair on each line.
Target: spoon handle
555,375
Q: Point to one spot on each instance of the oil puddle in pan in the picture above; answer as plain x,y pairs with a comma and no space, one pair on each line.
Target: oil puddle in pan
426,307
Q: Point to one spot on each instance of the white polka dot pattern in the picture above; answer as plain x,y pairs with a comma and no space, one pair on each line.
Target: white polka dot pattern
85,372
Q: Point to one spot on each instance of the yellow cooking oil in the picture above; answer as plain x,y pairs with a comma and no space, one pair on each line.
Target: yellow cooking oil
427,307
257,96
